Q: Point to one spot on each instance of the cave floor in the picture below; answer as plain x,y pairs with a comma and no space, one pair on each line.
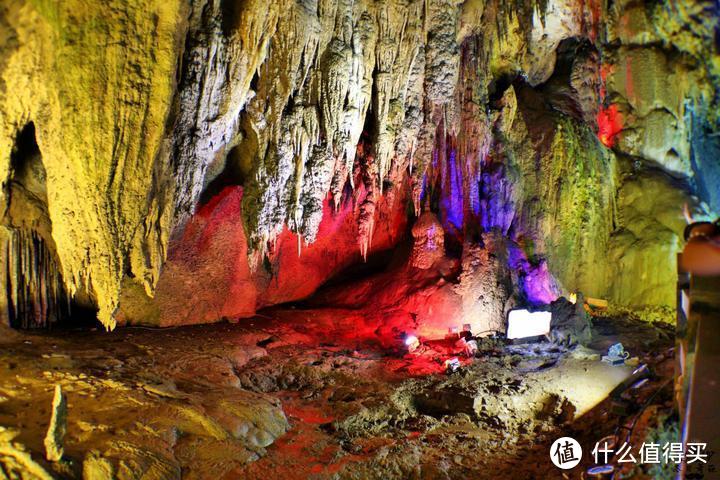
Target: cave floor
301,394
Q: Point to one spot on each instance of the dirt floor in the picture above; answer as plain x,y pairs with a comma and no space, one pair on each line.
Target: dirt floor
310,394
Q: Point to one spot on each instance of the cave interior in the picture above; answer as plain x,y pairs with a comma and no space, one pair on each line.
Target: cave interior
334,239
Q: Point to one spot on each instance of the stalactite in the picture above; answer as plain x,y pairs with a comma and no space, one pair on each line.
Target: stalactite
35,289
366,226
368,205
293,86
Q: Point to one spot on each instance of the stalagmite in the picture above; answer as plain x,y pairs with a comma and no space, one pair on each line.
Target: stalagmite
58,427
429,241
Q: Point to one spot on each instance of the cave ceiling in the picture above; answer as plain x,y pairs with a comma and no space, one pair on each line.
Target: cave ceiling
174,162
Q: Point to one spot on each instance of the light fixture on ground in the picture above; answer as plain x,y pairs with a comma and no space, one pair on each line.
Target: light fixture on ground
469,346
526,324
412,343
452,365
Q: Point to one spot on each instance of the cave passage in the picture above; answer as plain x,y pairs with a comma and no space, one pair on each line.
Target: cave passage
34,288
35,292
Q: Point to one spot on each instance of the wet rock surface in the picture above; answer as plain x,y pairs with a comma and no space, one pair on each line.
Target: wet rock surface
301,395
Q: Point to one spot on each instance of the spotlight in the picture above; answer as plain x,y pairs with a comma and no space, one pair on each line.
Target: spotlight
412,342
524,324
452,365
469,345
616,355
471,348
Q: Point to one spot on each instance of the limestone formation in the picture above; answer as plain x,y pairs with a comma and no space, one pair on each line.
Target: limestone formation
57,428
16,461
122,122
96,81
429,241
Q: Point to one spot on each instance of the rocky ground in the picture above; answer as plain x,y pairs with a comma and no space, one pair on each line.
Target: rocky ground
305,394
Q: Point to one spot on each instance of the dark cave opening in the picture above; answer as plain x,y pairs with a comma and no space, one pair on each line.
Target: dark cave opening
24,150
498,86
35,289
376,263
234,173
231,13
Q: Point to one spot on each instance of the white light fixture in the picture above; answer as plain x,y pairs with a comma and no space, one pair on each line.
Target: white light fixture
471,348
412,342
523,324
452,365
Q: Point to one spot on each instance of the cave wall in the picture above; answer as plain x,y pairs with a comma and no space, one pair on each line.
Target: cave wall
577,129
97,81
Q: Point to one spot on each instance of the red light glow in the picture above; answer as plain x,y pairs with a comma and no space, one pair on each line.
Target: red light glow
610,124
